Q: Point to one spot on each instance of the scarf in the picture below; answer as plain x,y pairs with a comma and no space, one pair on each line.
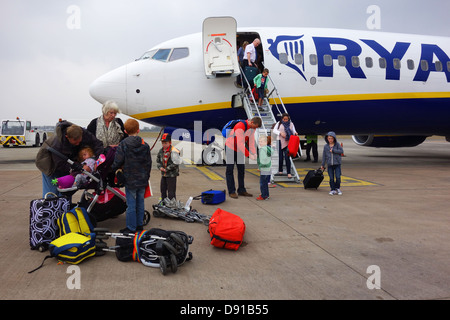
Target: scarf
108,135
287,129
166,155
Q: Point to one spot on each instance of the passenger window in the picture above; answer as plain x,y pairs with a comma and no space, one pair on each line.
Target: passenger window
298,58
355,62
179,53
313,59
397,64
341,61
424,65
283,57
438,65
410,64
448,66
162,54
369,62
327,60
382,62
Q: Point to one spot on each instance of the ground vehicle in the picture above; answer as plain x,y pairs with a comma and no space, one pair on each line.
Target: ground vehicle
18,132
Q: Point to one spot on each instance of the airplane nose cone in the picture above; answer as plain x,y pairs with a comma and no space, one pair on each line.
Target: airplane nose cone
111,86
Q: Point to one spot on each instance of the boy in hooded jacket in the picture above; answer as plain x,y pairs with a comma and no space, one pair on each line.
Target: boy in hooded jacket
167,161
332,156
133,156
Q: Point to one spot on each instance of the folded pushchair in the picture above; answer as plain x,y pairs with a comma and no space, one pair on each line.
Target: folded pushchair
175,209
155,248
106,200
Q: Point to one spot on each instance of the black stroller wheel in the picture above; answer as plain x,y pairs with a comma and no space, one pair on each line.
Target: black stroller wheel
147,217
173,263
158,214
170,247
163,265
177,239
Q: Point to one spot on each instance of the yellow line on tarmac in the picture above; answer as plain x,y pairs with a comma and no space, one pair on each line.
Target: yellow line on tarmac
205,170
345,181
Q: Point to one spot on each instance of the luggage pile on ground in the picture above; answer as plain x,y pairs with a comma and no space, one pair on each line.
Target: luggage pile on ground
69,234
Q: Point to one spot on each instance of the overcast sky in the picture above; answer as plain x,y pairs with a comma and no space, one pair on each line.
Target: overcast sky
51,51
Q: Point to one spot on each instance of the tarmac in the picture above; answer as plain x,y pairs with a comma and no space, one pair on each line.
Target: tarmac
386,238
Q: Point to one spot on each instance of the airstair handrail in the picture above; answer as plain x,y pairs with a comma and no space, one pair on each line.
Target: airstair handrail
275,89
253,97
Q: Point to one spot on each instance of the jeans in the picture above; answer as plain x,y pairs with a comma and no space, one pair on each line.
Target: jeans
233,157
264,180
283,155
135,208
334,172
47,185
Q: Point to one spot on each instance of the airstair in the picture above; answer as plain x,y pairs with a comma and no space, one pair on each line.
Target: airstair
265,112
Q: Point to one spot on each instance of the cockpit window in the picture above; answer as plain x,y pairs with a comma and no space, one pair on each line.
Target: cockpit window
162,54
147,55
166,54
179,53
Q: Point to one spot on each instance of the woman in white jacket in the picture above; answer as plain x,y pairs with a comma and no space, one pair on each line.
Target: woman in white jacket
284,129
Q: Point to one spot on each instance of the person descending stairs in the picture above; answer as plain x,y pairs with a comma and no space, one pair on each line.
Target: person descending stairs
264,111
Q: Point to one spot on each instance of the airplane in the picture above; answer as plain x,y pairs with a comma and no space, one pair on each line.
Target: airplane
384,89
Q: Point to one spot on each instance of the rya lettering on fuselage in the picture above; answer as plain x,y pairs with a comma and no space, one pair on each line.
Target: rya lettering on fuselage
290,50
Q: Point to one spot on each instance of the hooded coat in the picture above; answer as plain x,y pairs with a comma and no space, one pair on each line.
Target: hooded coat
133,156
334,157
50,163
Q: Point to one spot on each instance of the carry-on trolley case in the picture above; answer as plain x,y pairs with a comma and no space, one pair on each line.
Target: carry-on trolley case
313,179
44,214
212,196
250,73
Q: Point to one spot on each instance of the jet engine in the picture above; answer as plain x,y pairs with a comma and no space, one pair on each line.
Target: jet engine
387,141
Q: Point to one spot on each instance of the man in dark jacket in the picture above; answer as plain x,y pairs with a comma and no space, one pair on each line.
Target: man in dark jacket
68,139
133,156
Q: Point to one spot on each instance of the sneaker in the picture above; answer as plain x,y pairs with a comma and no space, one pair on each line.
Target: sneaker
260,198
339,192
332,192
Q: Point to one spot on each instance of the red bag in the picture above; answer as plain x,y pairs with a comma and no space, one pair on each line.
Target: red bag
255,93
226,230
294,142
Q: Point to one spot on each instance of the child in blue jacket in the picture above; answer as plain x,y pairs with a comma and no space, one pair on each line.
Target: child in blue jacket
332,156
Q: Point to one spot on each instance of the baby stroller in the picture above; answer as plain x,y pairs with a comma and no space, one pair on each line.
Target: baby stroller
107,200
155,248
175,209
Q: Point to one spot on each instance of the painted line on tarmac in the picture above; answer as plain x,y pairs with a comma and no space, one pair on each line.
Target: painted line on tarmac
345,181
204,170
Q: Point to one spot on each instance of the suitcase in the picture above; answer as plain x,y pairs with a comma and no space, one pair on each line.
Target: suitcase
44,214
313,179
294,143
226,230
213,196
250,73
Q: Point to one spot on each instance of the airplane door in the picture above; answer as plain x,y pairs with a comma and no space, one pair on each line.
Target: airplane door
219,47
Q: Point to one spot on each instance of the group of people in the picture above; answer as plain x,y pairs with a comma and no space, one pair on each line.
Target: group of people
240,144
131,161
131,158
